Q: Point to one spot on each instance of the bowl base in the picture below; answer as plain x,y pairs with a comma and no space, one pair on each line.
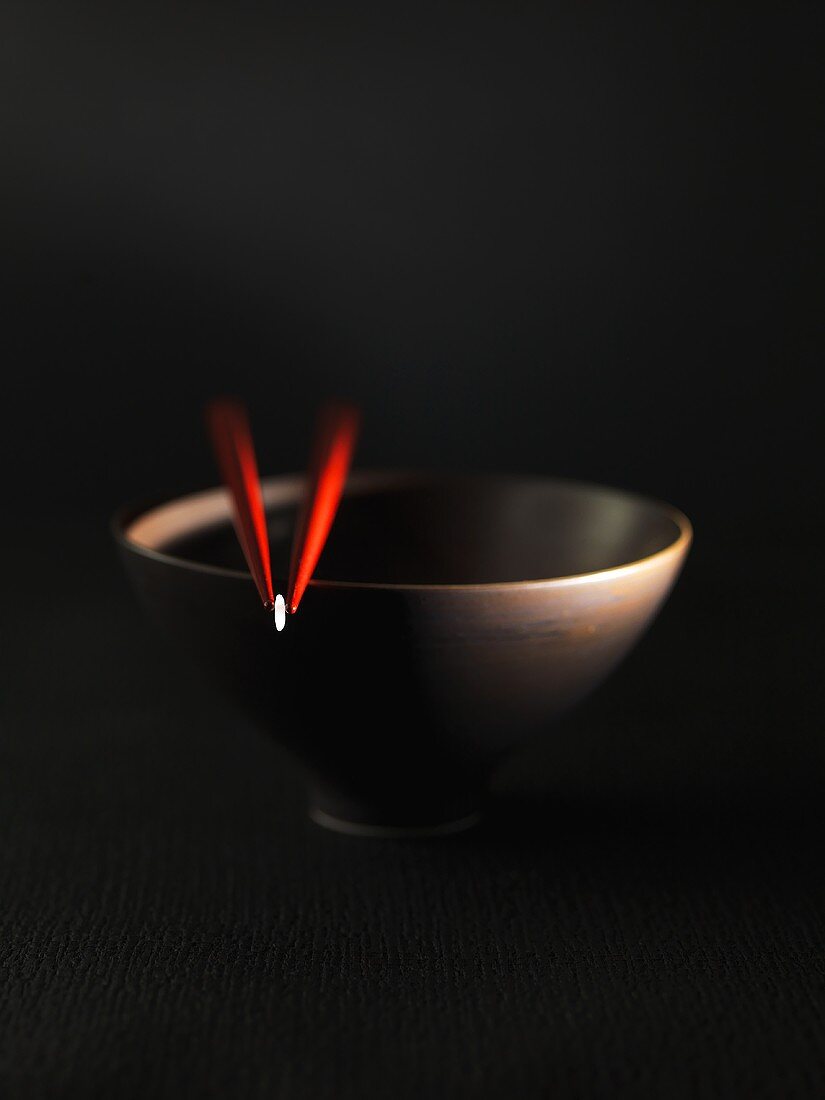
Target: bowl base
392,832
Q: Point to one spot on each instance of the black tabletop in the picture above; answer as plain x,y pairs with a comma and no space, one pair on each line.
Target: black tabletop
641,914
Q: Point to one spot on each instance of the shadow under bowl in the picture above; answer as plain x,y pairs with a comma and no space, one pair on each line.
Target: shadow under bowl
451,619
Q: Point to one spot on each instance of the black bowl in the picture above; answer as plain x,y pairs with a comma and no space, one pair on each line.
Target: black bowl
451,619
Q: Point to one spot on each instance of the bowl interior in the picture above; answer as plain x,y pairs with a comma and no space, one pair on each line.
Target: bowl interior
430,530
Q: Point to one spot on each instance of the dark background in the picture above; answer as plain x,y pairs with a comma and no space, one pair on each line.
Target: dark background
575,239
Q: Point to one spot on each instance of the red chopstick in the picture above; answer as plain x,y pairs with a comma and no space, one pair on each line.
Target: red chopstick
335,437
231,435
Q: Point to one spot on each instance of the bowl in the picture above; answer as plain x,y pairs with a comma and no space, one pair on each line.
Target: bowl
451,619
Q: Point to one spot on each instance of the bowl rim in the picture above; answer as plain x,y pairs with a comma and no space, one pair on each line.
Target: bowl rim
128,513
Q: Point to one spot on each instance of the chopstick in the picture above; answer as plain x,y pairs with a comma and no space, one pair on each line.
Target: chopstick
231,435
335,437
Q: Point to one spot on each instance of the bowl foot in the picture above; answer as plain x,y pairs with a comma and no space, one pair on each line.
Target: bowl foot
392,832
412,811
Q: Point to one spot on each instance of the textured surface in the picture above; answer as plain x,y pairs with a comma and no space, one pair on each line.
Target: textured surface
642,915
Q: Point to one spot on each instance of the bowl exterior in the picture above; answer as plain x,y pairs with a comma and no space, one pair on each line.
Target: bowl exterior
401,700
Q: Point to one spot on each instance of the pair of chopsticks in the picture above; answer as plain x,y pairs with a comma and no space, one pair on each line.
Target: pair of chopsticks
335,437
